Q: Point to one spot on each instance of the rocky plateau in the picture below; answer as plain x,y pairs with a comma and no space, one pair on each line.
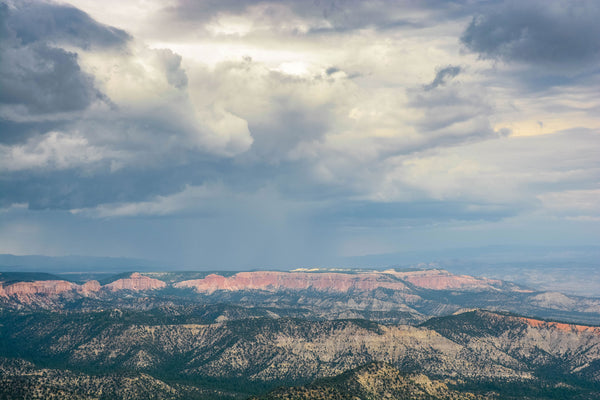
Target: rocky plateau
383,334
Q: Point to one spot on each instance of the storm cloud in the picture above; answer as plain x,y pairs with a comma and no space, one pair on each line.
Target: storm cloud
36,75
44,79
540,32
268,131
32,21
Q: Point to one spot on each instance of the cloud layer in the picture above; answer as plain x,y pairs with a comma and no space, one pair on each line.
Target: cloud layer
315,126
541,32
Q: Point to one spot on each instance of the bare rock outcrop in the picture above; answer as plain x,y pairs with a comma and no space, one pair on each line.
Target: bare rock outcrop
37,287
136,282
27,292
342,282
275,280
439,279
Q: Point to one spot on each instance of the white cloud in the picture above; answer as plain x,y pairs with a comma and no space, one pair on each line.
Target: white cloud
14,207
576,205
510,170
54,150
189,199
150,90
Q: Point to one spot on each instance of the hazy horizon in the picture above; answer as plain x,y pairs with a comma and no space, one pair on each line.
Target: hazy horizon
542,255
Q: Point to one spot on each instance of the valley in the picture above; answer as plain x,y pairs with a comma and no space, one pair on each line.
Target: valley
275,335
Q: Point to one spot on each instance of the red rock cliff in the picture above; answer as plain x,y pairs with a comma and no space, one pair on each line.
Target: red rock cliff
136,282
274,280
37,287
23,290
536,323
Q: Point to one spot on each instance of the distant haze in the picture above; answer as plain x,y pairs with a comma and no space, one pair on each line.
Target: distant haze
572,270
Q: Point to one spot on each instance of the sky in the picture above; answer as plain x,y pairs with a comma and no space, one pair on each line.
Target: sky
220,134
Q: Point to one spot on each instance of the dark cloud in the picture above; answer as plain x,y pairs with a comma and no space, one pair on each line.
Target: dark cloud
319,17
5,31
73,188
62,24
443,75
425,211
15,132
44,79
34,73
546,32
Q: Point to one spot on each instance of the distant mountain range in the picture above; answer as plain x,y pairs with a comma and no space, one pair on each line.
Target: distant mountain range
48,264
390,296
308,333
572,270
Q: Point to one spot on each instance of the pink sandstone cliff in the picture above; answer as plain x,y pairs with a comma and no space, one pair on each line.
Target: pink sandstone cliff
270,281
37,287
340,282
536,323
136,282
55,287
274,280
